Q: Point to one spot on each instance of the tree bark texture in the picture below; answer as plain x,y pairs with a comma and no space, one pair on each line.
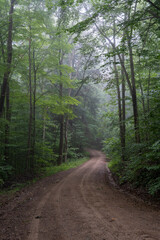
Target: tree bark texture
30,125
66,139
8,117
134,95
61,139
9,59
121,104
34,103
61,142
123,113
131,88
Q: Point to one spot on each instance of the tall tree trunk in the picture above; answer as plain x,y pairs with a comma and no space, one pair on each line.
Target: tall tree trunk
142,93
134,95
71,63
148,91
146,136
118,96
61,140
2,49
66,139
44,131
123,113
61,24
30,125
66,132
9,58
34,104
8,117
131,88
148,103
134,98
119,110
61,144
142,97
44,126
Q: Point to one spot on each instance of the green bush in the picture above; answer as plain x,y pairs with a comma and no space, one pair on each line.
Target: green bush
154,186
64,166
1,182
73,153
141,168
115,166
111,146
5,172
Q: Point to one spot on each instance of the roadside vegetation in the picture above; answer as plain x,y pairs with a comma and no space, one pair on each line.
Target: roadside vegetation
44,172
64,166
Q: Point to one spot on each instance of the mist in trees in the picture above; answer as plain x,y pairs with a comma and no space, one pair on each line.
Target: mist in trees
80,74
128,33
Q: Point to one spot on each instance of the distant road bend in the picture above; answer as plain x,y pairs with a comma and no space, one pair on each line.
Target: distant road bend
84,206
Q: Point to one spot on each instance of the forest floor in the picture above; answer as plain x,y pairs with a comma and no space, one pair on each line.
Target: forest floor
78,204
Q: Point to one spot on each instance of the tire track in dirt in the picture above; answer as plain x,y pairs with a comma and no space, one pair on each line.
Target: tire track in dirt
84,206
110,229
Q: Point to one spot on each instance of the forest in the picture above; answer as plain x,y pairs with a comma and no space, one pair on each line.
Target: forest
78,74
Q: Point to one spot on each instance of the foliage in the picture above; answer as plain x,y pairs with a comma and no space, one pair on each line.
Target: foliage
47,171
5,172
65,166
129,31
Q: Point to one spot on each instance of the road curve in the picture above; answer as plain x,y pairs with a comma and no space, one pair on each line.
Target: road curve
84,206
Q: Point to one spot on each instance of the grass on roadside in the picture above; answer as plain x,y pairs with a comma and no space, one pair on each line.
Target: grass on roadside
48,171
64,166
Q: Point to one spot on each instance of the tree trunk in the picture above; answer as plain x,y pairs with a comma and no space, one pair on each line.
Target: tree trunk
148,90
61,138
66,139
44,126
134,95
9,59
123,114
71,59
118,96
146,136
61,142
2,49
30,125
8,117
34,104
142,97
131,88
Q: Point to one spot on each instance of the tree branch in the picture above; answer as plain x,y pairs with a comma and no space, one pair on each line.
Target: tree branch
155,6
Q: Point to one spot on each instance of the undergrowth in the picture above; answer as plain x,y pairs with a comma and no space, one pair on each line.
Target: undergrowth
140,167
45,171
140,172
64,166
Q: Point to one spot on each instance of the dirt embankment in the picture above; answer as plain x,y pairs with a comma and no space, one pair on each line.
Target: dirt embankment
79,204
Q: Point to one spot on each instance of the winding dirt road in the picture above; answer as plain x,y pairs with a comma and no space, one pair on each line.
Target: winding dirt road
83,205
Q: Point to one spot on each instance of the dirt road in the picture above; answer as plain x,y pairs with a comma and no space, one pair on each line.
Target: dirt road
81,204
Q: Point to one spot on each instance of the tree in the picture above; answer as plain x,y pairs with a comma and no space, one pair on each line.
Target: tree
5,84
